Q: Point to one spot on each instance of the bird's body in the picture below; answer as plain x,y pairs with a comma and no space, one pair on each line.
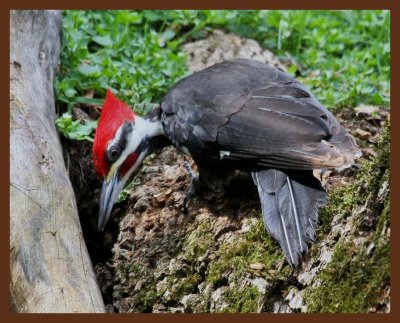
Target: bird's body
247,111
247,115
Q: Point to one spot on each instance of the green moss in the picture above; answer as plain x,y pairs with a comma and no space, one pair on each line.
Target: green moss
368,181
199,241
128,274
265,249
256,246
195,245
242,300
354,279
148,297
187,285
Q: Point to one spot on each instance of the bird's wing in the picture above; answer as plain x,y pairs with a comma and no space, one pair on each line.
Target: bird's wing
250,110
283,126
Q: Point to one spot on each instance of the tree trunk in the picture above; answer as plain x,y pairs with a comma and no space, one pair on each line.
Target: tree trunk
50,267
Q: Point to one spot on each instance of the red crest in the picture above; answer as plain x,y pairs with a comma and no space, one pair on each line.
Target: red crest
113,114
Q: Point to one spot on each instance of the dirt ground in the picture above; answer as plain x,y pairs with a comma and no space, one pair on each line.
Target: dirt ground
153,257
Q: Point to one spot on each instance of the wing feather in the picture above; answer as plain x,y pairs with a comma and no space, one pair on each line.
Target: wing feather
254,111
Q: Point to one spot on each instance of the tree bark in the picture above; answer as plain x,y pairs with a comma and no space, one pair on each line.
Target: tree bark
49,263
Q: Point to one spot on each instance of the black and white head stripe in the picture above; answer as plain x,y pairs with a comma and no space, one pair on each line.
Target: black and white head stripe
120,141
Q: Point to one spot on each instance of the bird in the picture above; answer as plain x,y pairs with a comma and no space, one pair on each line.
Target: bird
238,114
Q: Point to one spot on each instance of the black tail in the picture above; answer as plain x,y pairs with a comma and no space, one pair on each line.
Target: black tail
290,203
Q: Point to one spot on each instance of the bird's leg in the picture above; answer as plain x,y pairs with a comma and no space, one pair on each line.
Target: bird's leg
211,178
195,189
321,173
189,169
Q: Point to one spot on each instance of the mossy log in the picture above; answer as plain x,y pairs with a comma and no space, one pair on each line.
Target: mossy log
50,267
220,259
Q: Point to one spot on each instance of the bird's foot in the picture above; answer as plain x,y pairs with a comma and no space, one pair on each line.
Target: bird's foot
189,169
321,173
345,169
195,190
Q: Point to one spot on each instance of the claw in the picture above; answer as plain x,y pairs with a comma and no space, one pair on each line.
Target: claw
321,173
194,190
185,205
193,186
189,169
352,167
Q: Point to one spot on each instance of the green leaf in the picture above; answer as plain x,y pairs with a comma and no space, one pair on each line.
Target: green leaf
168,34
88,70
292,69
103,40
139,54
89,101
74,129
70,92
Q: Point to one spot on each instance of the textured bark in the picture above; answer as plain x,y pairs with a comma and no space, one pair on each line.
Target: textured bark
219,258
50,267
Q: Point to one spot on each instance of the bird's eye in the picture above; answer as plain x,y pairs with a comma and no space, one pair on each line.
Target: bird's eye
113,153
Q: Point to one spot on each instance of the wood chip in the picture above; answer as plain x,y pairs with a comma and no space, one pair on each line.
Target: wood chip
257,266
362,134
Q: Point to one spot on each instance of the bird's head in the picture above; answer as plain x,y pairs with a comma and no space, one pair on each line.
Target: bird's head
121,142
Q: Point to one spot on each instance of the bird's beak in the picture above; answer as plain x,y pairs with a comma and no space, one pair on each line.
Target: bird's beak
112,186
109,194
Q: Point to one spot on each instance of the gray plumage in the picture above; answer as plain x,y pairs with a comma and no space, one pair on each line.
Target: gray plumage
251,116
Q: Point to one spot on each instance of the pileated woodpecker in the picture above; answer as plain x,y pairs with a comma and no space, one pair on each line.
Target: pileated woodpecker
238,114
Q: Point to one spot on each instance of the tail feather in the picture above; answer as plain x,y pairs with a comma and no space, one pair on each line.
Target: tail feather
290,203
